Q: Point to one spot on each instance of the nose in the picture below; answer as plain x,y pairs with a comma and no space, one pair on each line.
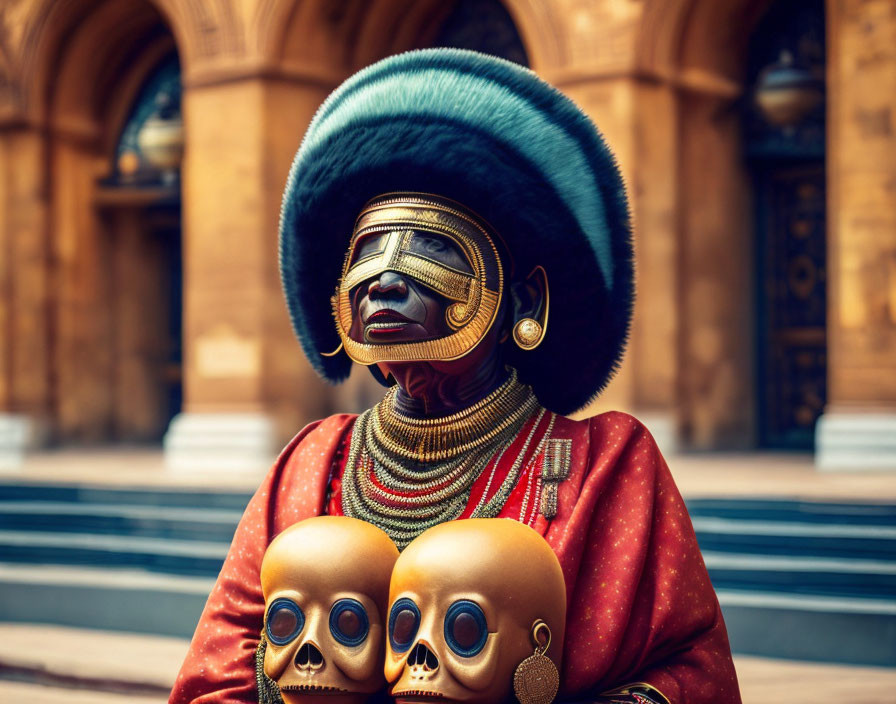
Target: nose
389,283
309,657
423,662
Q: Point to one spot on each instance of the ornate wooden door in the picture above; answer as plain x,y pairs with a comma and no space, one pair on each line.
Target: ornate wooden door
792,305
787,164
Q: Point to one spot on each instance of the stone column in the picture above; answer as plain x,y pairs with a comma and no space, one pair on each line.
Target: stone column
858,428
600,77
607,98
24,291
247,386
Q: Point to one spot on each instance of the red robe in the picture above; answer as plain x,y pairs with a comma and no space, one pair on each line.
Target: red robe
640,604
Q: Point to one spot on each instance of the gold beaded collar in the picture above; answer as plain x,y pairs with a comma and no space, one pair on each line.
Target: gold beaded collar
427,440
408,474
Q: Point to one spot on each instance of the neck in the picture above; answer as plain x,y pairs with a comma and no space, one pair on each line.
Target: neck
443,388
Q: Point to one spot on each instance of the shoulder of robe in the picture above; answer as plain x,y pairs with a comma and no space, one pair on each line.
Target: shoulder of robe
607,442
324,433
604,432
608,452
621,440
615,429
331,427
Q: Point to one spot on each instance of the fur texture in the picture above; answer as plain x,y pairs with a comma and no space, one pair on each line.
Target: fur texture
493,136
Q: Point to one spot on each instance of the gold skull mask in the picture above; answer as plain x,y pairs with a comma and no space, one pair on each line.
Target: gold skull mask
465,599
475,295
326,583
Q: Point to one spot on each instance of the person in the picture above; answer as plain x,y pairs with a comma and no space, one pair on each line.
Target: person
475,228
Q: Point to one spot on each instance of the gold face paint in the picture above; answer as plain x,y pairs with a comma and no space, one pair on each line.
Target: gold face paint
476,296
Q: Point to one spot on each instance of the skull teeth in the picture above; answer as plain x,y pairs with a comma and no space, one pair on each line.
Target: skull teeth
310,688
417,693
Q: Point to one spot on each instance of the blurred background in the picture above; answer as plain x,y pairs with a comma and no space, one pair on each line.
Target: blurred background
149,375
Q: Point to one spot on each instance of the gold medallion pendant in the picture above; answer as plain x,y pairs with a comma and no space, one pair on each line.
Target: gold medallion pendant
536,680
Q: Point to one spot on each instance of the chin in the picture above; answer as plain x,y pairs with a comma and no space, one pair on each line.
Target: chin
323,698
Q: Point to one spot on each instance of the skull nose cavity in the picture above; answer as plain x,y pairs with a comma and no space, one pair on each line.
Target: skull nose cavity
422,661
309,657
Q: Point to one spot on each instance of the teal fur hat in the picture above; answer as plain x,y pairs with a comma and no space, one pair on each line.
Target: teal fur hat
493,136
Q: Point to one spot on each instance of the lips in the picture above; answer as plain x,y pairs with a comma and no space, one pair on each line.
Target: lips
385,322
387,315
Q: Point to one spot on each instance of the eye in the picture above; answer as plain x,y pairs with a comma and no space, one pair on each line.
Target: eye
348,622
434,245
404,619
441,249
284,622
368,246
465,628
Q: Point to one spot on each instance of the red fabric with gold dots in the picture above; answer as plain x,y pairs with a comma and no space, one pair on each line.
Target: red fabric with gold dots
640,604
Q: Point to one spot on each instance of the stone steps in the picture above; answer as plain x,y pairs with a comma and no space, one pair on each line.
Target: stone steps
14,490
43,664
792,577
40,662
112,599
174,522
766,537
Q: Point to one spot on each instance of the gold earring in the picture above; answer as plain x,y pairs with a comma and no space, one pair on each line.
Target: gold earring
536,679
528,333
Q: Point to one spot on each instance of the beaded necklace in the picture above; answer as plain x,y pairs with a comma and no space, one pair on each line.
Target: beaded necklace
408,474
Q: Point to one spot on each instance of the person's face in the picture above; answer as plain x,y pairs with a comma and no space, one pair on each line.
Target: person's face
422,282
392,307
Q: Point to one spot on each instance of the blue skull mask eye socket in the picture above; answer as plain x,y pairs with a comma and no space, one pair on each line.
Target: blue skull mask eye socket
404,620
348,622
284,622
465,628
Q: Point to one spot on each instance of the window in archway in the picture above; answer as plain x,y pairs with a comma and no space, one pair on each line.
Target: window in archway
140,209
151,143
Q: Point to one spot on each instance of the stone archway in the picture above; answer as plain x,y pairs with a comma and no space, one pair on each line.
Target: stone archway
100,363
299,36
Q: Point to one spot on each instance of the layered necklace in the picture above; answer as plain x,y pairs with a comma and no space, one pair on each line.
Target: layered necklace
407,474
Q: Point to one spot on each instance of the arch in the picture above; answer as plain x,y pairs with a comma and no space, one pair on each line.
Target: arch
90,60
202,30
363,32
110,50
539,27
700,44
53,25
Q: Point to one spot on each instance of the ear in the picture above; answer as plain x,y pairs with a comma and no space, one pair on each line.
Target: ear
530,298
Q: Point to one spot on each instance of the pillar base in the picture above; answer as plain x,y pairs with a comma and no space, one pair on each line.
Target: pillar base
18,434
856,441
663,426
220,442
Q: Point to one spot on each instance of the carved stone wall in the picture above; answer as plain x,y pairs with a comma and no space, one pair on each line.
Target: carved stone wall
862,204
661,78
